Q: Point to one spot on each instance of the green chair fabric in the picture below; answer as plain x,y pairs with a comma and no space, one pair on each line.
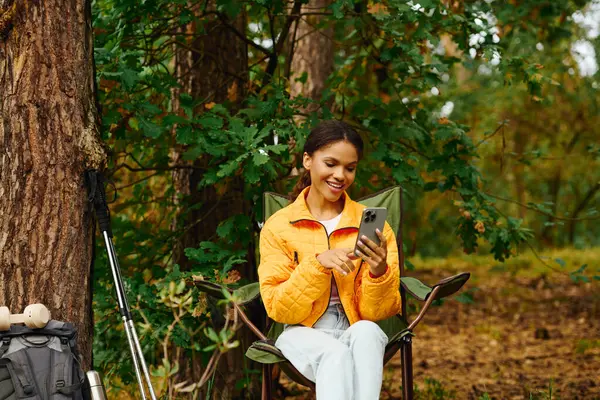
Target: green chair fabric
415,287
388,198
243,295
448,286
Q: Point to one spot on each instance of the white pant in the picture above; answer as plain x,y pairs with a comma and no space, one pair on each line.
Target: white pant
345,362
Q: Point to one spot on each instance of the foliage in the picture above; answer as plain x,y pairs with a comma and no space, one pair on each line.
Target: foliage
392,59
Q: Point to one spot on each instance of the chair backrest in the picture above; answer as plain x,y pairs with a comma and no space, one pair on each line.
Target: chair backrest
390,198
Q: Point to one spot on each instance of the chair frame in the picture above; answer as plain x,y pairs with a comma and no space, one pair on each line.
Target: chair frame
443,288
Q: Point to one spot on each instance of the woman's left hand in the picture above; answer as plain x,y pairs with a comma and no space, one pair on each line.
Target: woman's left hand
375,256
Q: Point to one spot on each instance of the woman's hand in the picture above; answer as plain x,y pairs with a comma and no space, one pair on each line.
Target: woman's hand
338,259
375,256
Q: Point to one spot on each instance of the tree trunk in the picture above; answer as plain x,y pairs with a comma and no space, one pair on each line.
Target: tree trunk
555,186
214,68
311,61
518,169
312,56
48,137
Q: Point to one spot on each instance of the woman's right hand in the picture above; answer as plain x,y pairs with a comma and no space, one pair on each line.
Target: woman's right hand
339,259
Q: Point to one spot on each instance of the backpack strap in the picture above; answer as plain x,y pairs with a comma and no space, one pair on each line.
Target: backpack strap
62,371
21,375
4,345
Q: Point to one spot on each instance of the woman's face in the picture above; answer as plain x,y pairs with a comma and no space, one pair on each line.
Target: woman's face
332,169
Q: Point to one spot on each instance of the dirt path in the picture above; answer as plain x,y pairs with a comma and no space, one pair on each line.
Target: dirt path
521,337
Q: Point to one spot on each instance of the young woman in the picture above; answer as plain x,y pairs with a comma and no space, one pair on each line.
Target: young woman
311,281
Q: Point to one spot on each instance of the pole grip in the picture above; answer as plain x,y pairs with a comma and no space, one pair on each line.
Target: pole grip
97,196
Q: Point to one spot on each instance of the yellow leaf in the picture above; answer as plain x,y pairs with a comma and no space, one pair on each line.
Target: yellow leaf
232,92
377,8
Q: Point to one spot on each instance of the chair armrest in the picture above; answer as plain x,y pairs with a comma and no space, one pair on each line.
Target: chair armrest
415,287
210,288
447,286
265,352
243,295
247,293
443,288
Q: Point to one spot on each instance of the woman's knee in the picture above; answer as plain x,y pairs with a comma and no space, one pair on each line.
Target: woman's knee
339,350
368,330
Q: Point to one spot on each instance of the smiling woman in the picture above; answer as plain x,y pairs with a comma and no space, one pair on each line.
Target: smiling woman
311,281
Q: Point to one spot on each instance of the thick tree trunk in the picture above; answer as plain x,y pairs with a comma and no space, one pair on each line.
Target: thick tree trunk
48,137
214,68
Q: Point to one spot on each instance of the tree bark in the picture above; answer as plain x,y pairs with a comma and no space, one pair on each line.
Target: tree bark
312,54
213,67
48,137
214,70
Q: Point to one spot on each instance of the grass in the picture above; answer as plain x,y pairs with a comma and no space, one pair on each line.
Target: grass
526,264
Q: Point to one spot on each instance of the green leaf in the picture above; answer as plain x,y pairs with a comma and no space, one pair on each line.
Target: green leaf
259,158
129,77
212,335
185,134
580,270
252,174
211,122
150,129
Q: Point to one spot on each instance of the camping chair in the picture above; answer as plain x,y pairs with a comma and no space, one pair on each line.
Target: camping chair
398,329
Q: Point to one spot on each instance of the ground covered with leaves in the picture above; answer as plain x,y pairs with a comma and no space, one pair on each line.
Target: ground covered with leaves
530,333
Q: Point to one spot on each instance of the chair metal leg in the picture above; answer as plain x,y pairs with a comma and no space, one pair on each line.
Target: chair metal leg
267,382
407,370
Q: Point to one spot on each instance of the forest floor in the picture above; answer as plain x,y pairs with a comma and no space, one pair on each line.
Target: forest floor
531,332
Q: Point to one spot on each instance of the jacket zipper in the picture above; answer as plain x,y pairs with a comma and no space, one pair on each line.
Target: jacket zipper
332,275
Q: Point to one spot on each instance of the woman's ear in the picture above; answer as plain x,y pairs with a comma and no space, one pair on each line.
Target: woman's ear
306,161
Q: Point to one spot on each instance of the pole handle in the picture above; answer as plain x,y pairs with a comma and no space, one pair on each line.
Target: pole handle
97,196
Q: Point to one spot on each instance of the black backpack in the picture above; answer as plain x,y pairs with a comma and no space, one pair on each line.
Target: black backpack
41,364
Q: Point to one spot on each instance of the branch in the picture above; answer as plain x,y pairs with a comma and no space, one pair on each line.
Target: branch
272,65
544,262
241,35
589,196
502,125
287,72
136,182
170,168
540,211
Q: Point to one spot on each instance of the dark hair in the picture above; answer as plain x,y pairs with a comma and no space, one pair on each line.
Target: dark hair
323,135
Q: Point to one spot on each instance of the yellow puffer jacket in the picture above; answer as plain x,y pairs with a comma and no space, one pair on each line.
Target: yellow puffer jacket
296,288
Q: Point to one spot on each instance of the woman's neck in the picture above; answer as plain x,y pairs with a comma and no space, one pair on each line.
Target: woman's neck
321,208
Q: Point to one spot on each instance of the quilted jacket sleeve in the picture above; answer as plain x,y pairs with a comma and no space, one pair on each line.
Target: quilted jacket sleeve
288,293
379,298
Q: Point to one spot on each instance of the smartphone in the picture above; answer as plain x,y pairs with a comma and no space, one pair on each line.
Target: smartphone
372,218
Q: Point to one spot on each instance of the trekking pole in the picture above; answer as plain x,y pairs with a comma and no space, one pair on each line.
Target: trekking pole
97,196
